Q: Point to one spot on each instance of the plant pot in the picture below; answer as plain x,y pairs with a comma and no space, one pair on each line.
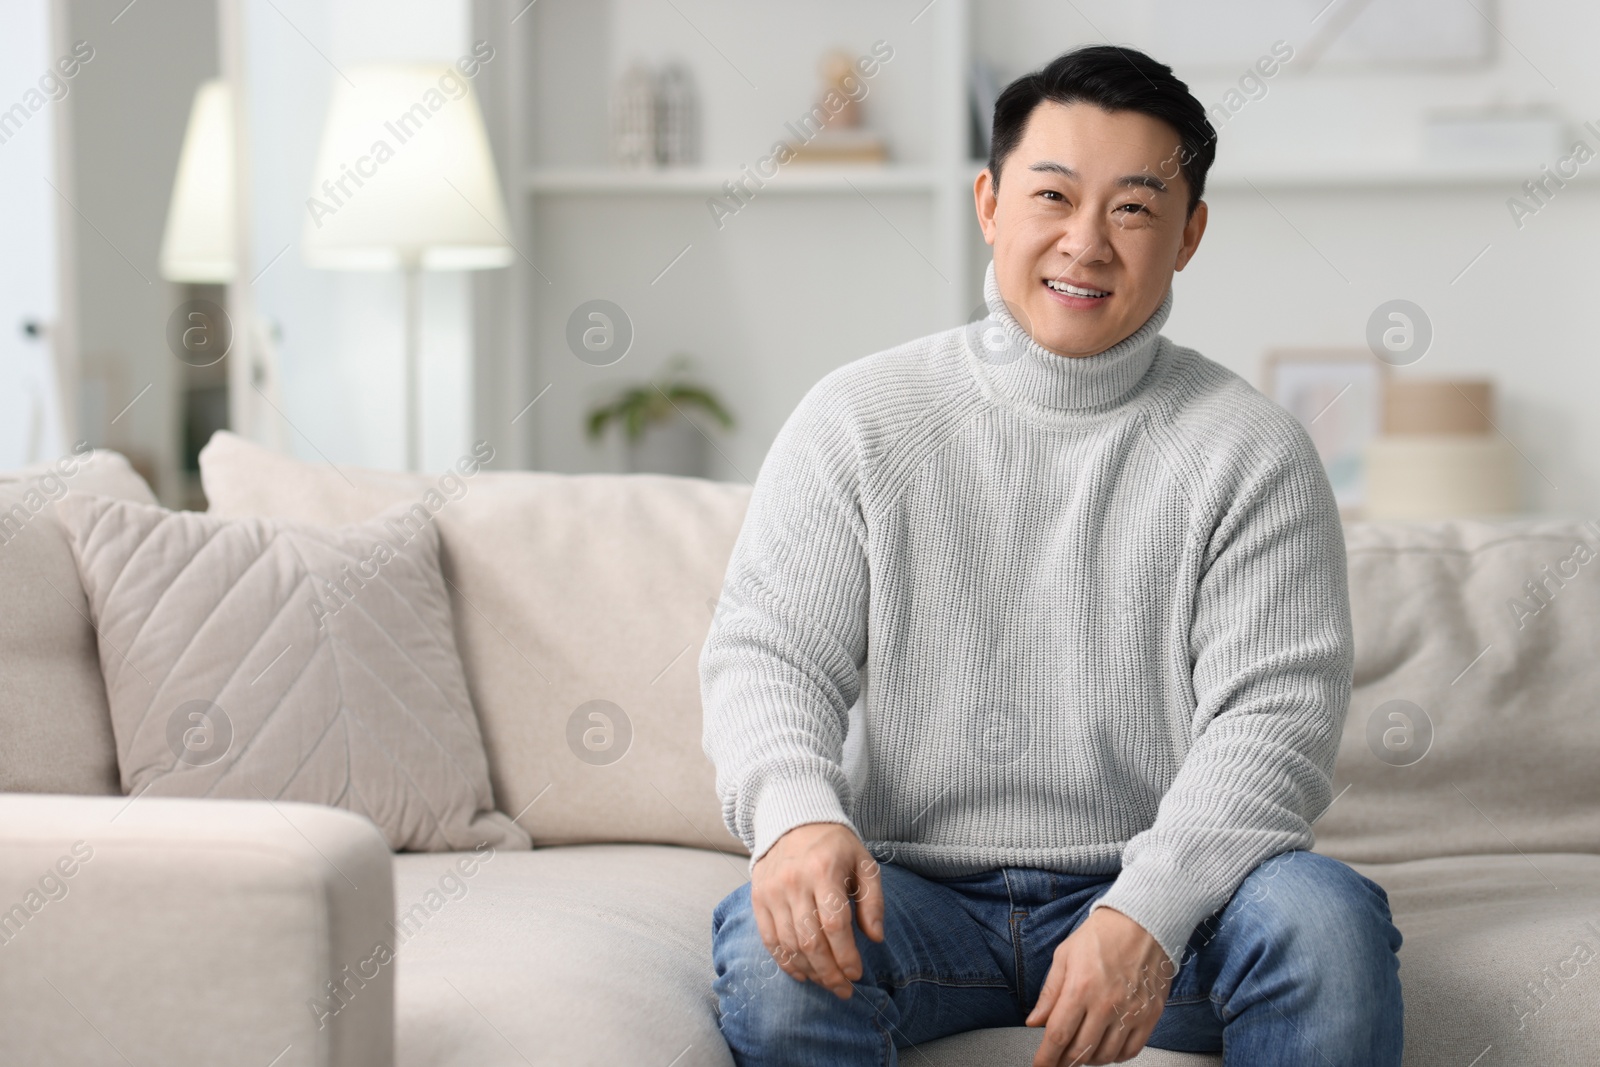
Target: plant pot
673,447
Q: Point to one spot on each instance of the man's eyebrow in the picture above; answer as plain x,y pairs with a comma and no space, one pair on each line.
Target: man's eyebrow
1147,181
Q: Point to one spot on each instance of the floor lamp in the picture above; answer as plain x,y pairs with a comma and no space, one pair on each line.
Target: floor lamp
405,181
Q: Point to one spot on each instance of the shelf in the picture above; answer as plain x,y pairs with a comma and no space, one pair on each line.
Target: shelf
793,178
1345,177
1416,175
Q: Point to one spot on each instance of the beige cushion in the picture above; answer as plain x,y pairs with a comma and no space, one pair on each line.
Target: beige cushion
256,659
609,961
55,730
1478,930
567,590
1444,621
611,964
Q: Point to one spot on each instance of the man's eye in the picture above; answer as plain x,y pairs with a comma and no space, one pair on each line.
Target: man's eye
1051,193
1136,207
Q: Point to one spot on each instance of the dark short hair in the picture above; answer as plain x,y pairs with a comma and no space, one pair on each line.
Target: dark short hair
1114,79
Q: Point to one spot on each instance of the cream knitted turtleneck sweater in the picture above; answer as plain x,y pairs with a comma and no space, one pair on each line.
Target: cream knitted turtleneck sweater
1100,602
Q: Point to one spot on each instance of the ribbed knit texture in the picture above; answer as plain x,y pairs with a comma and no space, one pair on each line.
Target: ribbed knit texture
1099,602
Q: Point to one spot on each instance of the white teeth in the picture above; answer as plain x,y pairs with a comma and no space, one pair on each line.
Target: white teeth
1073,290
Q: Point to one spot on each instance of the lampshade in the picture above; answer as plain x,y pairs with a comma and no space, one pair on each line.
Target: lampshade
404,175
197,245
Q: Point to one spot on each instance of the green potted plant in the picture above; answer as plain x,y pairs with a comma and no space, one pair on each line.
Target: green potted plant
659,435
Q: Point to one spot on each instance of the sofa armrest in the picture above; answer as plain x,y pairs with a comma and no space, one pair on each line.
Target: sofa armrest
157,930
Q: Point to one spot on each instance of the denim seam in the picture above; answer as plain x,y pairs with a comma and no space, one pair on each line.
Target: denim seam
1013,923
952,981
1018,955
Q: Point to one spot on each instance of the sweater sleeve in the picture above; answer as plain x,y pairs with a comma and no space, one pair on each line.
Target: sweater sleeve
779,669
1272,652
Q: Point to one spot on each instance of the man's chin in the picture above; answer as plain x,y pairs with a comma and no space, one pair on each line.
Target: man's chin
1072,343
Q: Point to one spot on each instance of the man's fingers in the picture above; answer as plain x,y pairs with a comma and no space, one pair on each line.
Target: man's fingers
1060,1033
790,956
869,898
1121,1045
839,927
818,950
1088,1045
1047,996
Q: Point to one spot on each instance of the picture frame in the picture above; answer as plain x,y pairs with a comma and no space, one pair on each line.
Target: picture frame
1338,395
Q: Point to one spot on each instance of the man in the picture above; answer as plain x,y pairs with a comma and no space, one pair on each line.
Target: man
1097,586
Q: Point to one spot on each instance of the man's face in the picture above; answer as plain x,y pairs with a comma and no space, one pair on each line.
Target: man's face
1094,199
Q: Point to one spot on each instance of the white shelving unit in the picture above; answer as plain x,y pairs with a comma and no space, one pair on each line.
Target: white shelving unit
814,178
881,254
647,241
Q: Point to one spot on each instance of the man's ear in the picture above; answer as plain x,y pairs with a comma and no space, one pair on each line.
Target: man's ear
984,199
1193,230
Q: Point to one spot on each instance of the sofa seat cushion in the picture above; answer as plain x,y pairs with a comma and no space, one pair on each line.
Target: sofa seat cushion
602,954
1500,950
585,954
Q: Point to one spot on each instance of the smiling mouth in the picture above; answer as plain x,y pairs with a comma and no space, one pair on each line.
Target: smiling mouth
1076,290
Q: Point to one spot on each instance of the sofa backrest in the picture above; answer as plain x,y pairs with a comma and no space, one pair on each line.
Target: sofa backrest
580,604
55,728
1474,724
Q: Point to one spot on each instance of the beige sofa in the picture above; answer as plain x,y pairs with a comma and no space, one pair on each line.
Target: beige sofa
207,931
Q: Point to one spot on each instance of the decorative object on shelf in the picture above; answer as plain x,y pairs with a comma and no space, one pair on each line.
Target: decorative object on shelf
633,118
1496,134
437,205
1439,455
677,117
1337,394
658,434
838,136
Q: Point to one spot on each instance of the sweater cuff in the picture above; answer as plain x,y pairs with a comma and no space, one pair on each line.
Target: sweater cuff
785,803
1163,900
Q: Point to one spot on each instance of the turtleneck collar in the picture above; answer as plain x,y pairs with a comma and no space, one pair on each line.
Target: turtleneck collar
1024,371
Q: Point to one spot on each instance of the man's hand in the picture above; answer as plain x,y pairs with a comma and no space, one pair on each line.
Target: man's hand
801,890
1104,993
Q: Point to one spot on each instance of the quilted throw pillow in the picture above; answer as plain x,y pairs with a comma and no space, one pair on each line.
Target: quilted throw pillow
258,659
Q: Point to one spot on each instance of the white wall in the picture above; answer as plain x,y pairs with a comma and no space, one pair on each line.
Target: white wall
122,129
797,285
1524,314
30,417
341,345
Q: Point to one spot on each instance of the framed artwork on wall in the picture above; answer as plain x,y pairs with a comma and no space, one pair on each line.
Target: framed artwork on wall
1338,396
1228,35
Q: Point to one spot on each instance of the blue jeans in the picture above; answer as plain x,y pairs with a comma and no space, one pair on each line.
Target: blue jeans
1299,967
